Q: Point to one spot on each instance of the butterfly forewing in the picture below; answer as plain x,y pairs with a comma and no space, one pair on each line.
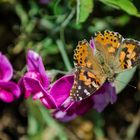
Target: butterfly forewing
109,41
84,57
88,74
130,54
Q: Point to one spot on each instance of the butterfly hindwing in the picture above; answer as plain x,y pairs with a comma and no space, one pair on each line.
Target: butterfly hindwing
85,84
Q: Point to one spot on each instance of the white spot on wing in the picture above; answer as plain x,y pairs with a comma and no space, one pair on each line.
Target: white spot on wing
95,85
86,92
79,87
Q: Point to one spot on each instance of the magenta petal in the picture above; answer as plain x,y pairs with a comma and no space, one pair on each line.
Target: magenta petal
63,116
38,96
60,90
67,112
6,70
67,105
84,106
78,108
34,86
9,91
106,95
6,96
23,90
35,64
26,89
48,104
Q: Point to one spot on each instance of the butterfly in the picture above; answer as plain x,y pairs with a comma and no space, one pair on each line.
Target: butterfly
112,54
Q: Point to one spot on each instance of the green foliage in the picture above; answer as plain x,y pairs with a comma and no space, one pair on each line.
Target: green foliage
84,8
53,30
39,118
126,5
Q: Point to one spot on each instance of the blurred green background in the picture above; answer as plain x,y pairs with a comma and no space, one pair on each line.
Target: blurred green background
52,28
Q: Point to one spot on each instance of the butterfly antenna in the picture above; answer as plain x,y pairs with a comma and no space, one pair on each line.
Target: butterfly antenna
125,83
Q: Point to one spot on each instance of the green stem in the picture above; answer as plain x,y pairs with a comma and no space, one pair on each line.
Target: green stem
50,122
21,14
64,54
59,71
68,19
55,6
23,70
61,42
62,35
65,23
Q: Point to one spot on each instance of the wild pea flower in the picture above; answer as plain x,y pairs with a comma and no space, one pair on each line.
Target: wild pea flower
9,91
70,109
37,83
57,95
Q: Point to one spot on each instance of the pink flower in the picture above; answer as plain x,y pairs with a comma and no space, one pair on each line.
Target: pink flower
70,109
37,83
57,95
6,70
9,91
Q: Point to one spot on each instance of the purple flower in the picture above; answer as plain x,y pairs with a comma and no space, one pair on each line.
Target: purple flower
9,91
57,95
6,70
99,100
36,67
37,82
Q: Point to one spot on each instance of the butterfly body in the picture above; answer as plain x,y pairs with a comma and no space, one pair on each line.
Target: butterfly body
107,68
110,55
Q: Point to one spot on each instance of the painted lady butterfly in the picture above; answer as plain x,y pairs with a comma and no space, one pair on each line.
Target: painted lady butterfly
112,55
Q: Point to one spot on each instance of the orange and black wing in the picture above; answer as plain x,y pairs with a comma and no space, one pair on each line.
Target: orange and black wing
119,53
108,42
130,54
85,84
88,75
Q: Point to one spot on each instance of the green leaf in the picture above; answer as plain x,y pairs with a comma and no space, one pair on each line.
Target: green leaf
125,5
84,8
123,79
